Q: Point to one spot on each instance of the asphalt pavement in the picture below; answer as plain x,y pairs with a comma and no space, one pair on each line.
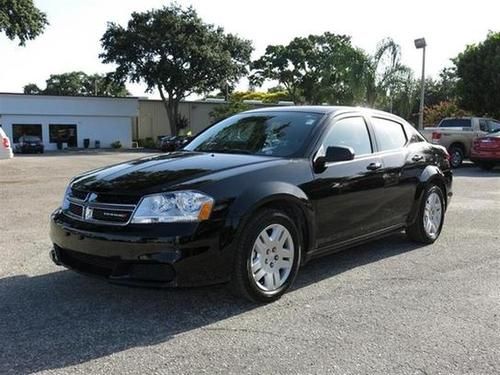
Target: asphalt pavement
388,307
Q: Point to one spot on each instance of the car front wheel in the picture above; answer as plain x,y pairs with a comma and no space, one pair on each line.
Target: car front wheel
267,257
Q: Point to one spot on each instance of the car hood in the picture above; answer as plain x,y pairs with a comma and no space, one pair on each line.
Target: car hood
161,172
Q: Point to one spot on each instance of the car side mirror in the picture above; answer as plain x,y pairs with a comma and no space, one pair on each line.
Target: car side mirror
333,154
339,153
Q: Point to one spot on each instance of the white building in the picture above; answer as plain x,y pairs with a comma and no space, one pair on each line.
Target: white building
69,119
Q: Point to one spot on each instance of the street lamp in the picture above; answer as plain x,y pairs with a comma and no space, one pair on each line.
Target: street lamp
421,44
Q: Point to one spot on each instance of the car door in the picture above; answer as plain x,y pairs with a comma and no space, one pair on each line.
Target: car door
403,161
346,194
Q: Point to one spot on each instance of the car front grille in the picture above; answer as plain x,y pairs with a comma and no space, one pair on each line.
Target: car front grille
76,209
114,216
97,208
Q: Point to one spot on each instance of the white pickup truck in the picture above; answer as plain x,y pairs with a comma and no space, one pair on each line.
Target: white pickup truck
457,134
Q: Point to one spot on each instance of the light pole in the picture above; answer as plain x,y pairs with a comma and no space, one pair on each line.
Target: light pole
421,44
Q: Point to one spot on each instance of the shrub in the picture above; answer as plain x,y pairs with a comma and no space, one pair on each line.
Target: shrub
116,144
146,142
435,113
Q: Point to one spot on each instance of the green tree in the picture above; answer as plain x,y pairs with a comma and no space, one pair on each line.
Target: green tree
403,97
385,74
79,84
478,72
173,50
21,19
314,69
443,89
233,107
32,89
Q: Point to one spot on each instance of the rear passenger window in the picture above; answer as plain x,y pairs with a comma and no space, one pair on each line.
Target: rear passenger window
350,132
455,123
414,135
390,135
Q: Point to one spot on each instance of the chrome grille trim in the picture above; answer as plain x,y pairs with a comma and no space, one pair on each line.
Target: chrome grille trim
86,205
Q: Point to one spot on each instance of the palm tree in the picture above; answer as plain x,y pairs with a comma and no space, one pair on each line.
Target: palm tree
384,71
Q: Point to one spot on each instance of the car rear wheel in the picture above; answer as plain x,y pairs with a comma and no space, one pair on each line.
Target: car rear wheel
267,257
429,222
456,156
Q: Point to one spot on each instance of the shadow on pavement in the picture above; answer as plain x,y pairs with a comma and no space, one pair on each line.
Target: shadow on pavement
60,319
472,170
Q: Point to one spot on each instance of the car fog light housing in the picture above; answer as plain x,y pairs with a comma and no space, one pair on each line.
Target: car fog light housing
176,206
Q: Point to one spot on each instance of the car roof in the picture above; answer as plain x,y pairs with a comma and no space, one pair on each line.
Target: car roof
324,109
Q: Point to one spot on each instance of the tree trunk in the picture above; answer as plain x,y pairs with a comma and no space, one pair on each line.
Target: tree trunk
172,109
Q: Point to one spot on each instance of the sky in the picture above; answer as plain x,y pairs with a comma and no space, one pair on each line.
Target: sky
71,42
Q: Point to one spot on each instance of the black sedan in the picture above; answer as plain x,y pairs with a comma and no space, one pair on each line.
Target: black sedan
253,198
29,144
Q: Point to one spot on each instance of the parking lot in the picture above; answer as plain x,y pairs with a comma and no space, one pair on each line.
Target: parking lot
387,307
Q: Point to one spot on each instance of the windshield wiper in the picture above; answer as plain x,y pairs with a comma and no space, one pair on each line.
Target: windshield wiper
229,151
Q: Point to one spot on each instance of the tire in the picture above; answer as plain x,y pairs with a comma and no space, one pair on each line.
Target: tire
456,156
254,247
486,166
419,231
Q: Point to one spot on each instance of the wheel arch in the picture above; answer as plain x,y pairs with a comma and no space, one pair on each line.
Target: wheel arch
281,196
460,145
431,175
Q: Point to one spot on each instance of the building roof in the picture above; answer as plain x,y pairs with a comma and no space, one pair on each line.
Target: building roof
67,96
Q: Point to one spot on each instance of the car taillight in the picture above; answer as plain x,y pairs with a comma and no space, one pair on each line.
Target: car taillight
436,135
5,142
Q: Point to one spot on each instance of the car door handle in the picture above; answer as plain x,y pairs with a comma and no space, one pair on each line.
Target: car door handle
373,166
417,157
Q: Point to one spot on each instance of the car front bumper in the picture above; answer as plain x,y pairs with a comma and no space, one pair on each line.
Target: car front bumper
142,255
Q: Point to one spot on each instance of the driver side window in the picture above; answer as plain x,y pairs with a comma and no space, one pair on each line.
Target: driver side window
350,132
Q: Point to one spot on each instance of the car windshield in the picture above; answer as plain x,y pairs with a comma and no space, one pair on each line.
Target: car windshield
282,134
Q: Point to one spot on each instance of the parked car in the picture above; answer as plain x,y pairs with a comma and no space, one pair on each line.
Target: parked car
29,144
254,197
457,134
486,150
173,143
5,146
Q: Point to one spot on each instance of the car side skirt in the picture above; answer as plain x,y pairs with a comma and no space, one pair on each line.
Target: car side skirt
339,246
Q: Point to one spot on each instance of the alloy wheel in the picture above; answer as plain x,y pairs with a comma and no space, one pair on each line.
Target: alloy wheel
433,215
456,158
272,257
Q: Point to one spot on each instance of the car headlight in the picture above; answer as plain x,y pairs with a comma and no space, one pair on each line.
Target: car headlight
65,201
177,206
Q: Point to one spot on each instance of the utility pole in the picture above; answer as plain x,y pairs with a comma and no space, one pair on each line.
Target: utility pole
421,44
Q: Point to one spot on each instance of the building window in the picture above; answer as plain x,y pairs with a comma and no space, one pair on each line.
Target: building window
19,130
63,133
